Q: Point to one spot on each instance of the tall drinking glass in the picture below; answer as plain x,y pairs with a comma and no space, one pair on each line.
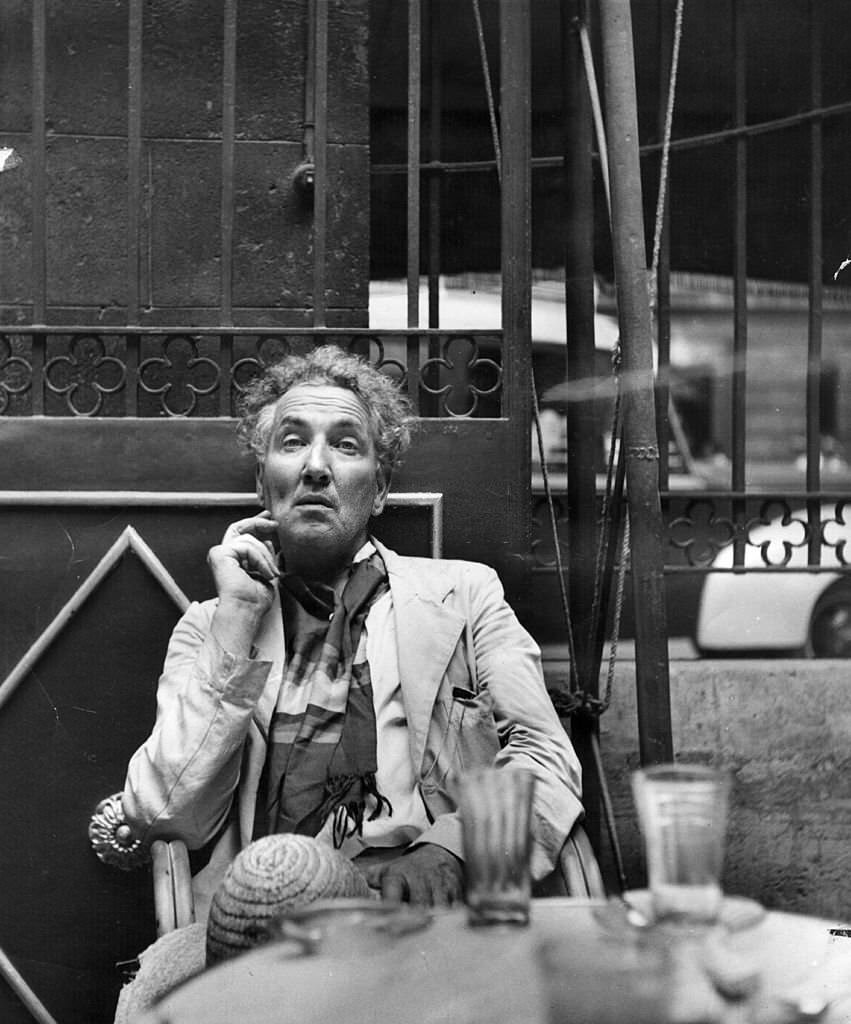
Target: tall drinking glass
682,813
495,806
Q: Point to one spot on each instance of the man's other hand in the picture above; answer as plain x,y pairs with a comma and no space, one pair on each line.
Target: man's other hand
244,565
429,875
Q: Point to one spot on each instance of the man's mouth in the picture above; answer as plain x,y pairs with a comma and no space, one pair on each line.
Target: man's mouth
315,499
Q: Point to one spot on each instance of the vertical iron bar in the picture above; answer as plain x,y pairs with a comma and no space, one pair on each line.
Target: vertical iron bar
38,346
39,148
740,281
814,327
228,134
580,366
134,158
320,194
225,367
516,262
663,273
414,116
435,178
640,439
309,129
412,356
131,371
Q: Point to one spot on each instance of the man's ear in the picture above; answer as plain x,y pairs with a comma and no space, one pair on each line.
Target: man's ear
260,485
382,488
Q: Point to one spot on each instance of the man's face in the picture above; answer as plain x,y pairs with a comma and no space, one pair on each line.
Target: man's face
321,479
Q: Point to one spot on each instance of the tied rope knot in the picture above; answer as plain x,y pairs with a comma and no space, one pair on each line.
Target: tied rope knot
578,702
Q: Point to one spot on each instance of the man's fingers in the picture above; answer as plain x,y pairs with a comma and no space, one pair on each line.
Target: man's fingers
255,558
261,525
251,554
393,886
373,876
440,895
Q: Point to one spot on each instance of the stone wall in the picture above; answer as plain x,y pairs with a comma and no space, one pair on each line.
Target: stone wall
177,213
784,729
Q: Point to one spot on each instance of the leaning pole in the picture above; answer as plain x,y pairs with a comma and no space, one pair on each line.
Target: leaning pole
641,446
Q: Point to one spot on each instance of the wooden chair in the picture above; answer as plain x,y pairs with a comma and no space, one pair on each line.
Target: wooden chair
577,874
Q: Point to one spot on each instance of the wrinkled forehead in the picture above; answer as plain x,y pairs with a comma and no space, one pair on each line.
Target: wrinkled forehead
319,406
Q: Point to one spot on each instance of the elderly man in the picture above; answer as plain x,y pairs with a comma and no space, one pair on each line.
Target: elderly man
335,688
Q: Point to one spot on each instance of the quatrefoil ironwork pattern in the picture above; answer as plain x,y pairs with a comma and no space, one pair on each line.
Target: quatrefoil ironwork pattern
85,375
460,377
15,374
700,532
268,350
179,376
271,350
832,531
378,358
839,527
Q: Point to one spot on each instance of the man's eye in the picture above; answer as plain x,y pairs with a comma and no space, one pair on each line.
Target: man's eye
348,445
291,442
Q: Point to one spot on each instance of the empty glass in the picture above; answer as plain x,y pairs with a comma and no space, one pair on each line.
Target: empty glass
495,805
682,813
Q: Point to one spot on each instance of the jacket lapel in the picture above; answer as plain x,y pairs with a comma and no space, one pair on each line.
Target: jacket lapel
427,633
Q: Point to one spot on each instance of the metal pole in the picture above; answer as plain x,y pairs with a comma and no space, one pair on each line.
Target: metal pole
516,135
640,438
582,437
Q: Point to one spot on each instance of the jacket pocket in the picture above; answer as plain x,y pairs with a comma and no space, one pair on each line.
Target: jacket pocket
462,735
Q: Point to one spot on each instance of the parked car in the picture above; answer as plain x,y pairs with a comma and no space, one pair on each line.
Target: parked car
786,611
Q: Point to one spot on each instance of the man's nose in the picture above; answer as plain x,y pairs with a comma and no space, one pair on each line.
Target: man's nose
316,465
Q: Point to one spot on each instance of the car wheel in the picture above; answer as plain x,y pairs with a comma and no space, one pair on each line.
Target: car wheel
830,626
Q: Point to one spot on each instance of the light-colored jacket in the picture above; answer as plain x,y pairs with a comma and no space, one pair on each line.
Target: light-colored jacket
472,688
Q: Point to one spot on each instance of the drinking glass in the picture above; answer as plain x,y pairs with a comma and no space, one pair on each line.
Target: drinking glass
495,806
682,814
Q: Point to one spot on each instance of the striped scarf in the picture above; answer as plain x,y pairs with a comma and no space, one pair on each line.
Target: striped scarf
321,757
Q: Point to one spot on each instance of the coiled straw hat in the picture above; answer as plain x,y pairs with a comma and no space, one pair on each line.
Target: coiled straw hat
270,876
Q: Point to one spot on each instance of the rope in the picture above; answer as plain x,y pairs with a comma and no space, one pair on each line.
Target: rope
565,603
600,132
666,141
483,56
578,701
596,111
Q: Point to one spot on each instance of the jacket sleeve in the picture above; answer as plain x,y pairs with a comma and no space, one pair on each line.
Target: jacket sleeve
180,782
505,668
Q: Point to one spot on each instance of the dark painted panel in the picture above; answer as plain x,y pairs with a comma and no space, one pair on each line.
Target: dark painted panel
47,553
117,454
463,459
65,737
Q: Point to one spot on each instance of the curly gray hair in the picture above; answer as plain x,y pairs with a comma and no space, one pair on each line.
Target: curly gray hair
388,410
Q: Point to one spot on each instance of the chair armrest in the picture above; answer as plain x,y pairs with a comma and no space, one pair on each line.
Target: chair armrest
114,842
579,866
112,839
174,904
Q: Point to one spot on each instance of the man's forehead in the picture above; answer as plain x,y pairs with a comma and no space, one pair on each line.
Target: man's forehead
312,402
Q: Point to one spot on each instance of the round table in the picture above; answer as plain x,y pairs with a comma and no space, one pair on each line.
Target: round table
578,960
